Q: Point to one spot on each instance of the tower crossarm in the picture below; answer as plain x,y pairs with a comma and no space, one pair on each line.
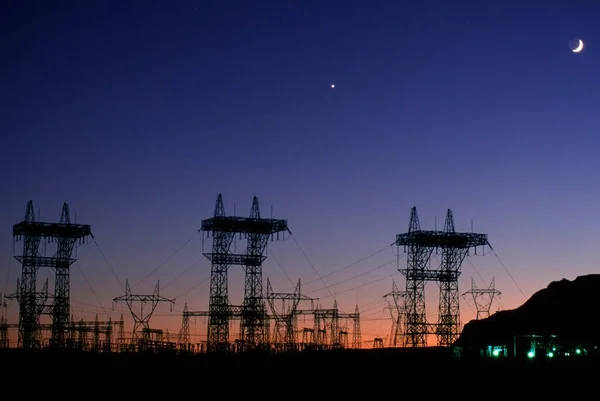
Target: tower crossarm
441,239
192,313
235,259
326,312
482,291
42,306
234,311
92,323
142,298
44,261
305,312
349,315
52,230
289,296
398,294
430,275
42,326
244,225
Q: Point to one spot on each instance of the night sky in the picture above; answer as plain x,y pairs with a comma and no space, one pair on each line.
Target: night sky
138,114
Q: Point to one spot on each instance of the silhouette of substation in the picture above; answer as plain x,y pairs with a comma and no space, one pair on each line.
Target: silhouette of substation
268,321
330,328
33,304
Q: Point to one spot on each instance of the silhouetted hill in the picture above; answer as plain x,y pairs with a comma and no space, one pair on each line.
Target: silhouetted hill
565,308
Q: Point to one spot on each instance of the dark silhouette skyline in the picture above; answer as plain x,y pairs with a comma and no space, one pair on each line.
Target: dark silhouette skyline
138,114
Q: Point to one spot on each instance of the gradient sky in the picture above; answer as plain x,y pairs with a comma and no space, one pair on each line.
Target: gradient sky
139,113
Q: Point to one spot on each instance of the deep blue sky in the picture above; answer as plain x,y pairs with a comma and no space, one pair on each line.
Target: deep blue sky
139,113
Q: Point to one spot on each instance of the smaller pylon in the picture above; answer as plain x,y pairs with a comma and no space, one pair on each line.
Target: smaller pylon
284,308
397,311
483,298
3,332
356,333
184,339
141,316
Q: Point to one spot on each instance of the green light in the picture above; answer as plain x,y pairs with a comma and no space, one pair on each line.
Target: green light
550,354
496,352
531,354
553,348
578,351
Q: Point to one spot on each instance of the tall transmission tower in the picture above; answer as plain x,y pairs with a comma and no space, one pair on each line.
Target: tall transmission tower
419,245
141,316
254,327
483,298
67,236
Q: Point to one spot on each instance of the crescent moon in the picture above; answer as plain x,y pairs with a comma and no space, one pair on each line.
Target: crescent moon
579,47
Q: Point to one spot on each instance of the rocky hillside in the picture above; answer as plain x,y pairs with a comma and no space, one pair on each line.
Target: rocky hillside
565,308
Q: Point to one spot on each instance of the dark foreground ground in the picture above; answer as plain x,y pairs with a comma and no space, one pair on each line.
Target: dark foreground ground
372,373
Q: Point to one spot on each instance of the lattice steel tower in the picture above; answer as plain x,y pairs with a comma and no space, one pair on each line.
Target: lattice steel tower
419,245
483,298
142,315
285,314
254,322
397,311
66,236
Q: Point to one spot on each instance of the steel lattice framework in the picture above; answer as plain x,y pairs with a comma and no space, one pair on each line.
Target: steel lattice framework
419,245
142,315
254,325
31,303
285,314
397,312
483,298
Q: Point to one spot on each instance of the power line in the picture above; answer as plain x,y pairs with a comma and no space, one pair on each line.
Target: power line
509,275
350,265
181,274
192,288
280,266
8,270
365,284
93,291
358,275
372,305
312,266
476,271
469,305
109,265
167,260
